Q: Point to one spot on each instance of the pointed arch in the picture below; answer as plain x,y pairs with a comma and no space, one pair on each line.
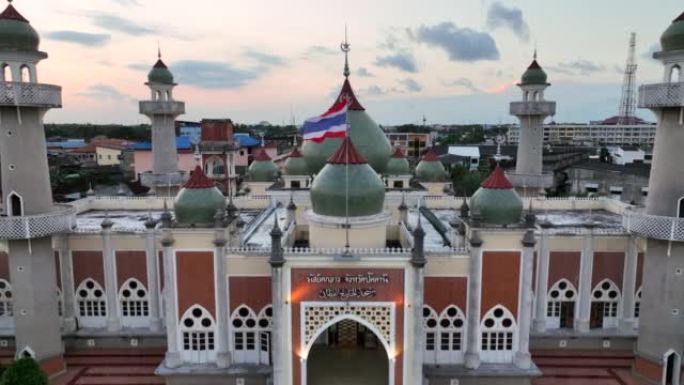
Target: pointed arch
25,73
6,72
451,340
197,329
244,325
430,332
15,204
265,324
92,303
637,304
215,167
499,337
560,306
675,73
672,363
134,303
6,305
605,304
26,352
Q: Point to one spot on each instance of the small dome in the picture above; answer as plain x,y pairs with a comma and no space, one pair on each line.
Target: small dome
330,193
431,169
160,74
262,168
497,201
534,75
16,34
296,164
368,137
673,37
197,202
398,164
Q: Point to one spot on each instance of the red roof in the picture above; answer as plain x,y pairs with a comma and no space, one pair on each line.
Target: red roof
430,156
198,180
348,94
117,144
296,153
261,155
160,64
347,154
10,13
497,180
398,153
534,65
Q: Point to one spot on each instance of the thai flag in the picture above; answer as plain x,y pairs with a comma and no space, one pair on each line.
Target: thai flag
332,124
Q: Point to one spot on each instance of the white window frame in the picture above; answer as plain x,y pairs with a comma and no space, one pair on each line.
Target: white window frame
454,334
676,374
498,342
265,325
612,305
195,336
430,334
563,288
244,326
94,306
131,302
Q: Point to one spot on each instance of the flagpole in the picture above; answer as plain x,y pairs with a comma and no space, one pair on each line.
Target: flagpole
346,192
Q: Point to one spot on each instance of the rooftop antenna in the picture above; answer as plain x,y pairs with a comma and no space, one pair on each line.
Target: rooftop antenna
345,47
627,111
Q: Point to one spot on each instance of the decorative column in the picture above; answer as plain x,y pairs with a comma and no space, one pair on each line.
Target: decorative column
418,262
627,321
223,359
403,211
522,356
173,359
113,321
67,278
472,355
586,267
291,211
151,261
278,346
543,262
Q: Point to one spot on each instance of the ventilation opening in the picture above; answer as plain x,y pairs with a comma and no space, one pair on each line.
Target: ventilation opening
674,74
15,205
25,74
680,208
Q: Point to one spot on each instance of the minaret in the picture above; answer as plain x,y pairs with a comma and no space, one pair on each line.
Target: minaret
532,110
29,219
162,109
661,323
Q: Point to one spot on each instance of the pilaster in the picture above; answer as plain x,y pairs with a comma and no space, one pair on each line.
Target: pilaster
522,358
586,267
152,259
627,321
113,320
223,359
543,262
173,359
473,347
67,278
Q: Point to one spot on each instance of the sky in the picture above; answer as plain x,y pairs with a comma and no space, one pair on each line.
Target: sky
451,61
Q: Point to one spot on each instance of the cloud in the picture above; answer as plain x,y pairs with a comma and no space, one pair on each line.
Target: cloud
500,16
364,73
127,2
581,67
264,58
402,60
105,92
212,74
118,24
411,85
374,90
318,50
81,38
461,44
140,66
464,83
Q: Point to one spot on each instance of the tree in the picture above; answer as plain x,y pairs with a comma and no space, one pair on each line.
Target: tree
24,371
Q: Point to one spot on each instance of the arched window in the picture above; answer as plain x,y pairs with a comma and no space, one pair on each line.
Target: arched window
6,72
672,368
244,323
604,305
637,304
6,308
169,95
215,167
498,335
92,303
680,208
560,308
535,96
158,95
675,73
450,347
430,322
265,325
25,72
15,204
197,330
134,303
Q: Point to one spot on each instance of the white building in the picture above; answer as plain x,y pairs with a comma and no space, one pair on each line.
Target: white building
623,155
471,152
592,133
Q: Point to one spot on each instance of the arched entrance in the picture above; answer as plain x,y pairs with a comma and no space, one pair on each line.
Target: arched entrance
347,352
671,370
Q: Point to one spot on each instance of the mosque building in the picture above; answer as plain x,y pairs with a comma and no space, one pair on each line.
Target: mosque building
345,263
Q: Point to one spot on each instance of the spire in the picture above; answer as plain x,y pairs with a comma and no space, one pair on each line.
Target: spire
534,57
158,50
430,156
347,154
10,13
198,180
261,156
345,47
497,180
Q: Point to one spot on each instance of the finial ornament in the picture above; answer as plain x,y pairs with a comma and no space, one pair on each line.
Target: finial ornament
535,53
345,47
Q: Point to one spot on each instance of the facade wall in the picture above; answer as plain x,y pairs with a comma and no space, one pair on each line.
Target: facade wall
500,280
131,264
107,156
254,292
142,161
195,280
442,292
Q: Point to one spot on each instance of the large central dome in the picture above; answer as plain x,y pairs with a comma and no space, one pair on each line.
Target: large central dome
366,135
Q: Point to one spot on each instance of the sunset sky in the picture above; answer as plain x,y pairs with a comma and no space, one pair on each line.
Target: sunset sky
453,61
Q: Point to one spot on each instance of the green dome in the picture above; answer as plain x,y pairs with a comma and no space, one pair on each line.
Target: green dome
198,201
262,168
534,75
296,164
497,201
16,33
430,169
160,74
673,37
366,192
367,136
398,164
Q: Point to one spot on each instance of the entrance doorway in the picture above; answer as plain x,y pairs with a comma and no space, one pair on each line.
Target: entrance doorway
672,368
347,353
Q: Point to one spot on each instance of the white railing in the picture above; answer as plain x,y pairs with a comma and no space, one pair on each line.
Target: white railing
661,95
530,181
654,226
353,251
533,108
61,219
150,179
30,94
162,108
